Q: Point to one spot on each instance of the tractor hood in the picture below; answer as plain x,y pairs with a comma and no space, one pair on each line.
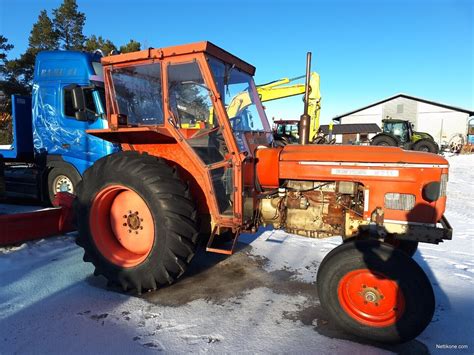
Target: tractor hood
359,154
294,161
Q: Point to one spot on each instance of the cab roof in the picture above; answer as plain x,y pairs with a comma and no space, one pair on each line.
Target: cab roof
198,47
394,120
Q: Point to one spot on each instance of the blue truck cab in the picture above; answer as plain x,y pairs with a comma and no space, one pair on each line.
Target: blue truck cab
50,149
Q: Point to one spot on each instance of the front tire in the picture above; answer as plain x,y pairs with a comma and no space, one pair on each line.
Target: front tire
62,179
426,145
374,291
136,221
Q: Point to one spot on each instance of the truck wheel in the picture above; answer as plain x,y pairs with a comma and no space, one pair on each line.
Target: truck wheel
384,140
62,179
426,145
372,290
136,221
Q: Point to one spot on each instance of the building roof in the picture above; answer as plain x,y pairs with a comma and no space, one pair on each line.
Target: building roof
470,112
351,128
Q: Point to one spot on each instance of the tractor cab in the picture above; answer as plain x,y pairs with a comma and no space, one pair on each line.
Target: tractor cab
286,129
399,128
199,106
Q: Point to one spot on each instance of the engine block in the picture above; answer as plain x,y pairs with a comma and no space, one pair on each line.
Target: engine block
314,209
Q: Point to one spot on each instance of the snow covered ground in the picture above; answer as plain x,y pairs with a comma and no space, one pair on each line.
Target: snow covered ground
262,299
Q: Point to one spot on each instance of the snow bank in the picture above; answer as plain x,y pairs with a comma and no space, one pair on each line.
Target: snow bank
51,303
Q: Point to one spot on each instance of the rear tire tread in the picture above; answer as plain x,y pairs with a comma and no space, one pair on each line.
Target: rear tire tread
157,181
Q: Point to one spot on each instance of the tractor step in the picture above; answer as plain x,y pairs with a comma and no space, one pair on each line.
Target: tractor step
212,248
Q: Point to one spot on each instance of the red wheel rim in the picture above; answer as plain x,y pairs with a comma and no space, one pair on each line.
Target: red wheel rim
371,298
122,226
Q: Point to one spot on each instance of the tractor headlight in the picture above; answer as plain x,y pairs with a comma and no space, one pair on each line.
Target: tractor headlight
396,201
436,189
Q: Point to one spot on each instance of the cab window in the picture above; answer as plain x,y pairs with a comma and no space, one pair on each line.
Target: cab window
138,93
69,107
190,104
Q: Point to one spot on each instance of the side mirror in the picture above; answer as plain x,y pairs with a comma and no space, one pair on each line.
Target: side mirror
79,103
81,116
78,99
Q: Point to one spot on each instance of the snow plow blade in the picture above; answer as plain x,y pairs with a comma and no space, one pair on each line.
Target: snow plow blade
21,227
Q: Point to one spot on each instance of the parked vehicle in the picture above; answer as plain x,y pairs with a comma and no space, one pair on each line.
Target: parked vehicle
49,149
140,211
399,133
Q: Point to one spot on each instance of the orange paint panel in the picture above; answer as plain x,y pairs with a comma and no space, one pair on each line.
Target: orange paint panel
350,153
268,167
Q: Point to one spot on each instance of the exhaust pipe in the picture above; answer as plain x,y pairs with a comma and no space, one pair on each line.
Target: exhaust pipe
305,120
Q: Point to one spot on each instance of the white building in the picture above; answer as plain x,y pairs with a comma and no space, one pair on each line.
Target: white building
440,120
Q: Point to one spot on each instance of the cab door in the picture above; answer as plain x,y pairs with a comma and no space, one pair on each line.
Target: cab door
192,108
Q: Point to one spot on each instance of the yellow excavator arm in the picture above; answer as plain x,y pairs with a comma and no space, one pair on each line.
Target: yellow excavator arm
275,91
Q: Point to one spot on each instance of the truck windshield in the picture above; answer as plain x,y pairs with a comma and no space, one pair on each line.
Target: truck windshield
240,98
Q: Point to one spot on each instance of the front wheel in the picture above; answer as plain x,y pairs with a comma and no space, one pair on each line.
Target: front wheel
426,145
136,221
375,291
62,179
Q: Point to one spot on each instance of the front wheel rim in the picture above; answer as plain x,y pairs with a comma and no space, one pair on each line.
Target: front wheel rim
370,298
122,226
63,184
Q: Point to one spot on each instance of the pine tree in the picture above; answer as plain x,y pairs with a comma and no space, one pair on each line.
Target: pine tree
131,46
5,47
105,45
8,86
42,37
68,23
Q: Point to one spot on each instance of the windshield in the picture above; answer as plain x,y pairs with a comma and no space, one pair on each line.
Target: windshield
239,97
138,93
397,129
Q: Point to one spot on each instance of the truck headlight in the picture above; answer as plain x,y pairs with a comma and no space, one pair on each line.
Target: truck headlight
396,201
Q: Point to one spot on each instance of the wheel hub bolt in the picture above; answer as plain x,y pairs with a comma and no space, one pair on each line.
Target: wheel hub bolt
370,296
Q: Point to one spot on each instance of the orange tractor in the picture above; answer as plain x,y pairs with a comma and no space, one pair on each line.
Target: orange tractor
140,212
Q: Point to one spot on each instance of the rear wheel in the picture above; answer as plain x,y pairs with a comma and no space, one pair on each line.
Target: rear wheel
384,140
426,145
281,141
374,291
319,140
136,221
